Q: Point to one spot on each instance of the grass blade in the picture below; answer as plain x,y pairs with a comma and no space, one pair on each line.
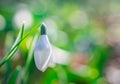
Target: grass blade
14,48
16,44
29,58
14,76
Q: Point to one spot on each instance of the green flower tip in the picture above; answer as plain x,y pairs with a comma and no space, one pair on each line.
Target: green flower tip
43,29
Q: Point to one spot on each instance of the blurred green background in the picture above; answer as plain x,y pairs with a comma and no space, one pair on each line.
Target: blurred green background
84,34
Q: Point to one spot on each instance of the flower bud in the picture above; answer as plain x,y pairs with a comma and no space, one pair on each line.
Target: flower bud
42,51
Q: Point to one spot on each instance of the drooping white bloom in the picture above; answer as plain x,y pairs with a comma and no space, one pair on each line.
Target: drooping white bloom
43,51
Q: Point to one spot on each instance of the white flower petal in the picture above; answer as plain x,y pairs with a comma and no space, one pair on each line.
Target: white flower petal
42,53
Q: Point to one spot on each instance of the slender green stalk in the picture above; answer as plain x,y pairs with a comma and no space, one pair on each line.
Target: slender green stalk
16,44
7,57
14,48
29,58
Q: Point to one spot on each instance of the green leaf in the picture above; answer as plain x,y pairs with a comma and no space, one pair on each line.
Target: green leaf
14,48
19,37
14,76
29,58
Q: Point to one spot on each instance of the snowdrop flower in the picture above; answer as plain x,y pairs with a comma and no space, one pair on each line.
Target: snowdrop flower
42,51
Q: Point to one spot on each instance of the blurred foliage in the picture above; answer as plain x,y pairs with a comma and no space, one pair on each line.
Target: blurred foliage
84,29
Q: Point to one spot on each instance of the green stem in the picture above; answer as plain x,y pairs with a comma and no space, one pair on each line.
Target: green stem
29,58
16,46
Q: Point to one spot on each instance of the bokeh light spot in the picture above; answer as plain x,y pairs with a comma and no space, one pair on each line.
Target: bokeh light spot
23,16
2,22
